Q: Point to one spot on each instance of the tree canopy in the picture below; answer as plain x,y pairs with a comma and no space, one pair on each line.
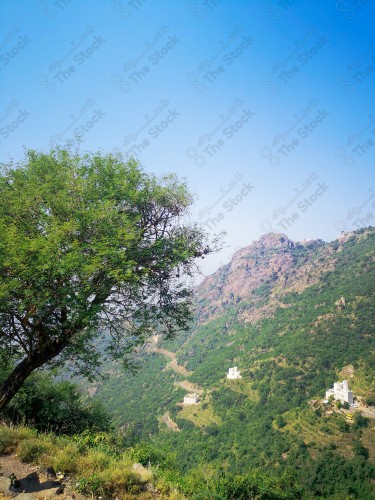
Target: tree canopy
93,255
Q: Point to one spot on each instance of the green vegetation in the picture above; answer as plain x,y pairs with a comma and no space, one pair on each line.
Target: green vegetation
266,421
89,243
103,466
57,407
265,436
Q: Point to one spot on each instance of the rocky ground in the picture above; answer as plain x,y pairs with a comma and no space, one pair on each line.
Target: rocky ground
26,482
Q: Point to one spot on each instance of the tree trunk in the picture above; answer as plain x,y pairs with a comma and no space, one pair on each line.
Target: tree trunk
11,385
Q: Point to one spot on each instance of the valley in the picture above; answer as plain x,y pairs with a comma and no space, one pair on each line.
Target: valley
293,317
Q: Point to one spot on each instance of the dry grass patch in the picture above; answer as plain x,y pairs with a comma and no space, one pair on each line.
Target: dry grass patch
201,414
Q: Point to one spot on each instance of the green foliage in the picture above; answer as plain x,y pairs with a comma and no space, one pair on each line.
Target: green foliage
287,359
334,475
280,422
359,421
150,388
92,485
206,482
30,450
263,290
9,438
148,454
49,405
343,426
360,450
89,243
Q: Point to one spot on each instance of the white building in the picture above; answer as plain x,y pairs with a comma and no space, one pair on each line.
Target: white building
191,399
341,392
233,373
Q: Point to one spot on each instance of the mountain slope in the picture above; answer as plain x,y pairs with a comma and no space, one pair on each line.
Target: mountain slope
294,317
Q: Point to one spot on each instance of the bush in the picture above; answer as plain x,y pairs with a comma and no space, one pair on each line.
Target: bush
51,406
29,450
343,426
91,485
360,450
93,461
110,483
145,454
280,422
66,459
359,421
10,437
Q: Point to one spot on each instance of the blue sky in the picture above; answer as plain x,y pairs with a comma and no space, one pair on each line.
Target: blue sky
265,107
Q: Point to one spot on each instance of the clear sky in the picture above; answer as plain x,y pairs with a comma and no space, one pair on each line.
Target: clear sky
265,107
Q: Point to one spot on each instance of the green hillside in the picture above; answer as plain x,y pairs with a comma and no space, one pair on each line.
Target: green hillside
275,312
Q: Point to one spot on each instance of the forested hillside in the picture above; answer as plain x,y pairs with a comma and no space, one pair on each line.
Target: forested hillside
294,318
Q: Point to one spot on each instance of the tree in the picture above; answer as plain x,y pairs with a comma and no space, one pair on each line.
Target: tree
58,407
93,256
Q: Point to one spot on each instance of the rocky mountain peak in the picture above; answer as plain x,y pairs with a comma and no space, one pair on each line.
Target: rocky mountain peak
274,240
268,267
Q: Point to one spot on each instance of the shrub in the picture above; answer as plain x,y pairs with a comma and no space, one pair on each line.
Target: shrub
110,483
360,450
280,422
93,461
145,454
118,479
9,438
91,485
360,421
66,459
51,406
29,450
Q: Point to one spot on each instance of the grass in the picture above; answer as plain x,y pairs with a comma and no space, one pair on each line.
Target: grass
244,386
99,467
201,414
11,436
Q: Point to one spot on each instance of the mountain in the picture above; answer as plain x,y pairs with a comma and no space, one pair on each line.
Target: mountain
294,318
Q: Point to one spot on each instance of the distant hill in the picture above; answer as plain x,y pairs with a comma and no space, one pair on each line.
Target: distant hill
294,318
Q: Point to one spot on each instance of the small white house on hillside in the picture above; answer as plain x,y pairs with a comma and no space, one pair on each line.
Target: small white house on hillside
191,399
233,373
341,392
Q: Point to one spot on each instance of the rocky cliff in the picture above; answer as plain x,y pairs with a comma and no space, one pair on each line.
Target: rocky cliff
268,268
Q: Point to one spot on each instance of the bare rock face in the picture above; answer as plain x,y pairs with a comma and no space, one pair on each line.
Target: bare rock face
267,269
